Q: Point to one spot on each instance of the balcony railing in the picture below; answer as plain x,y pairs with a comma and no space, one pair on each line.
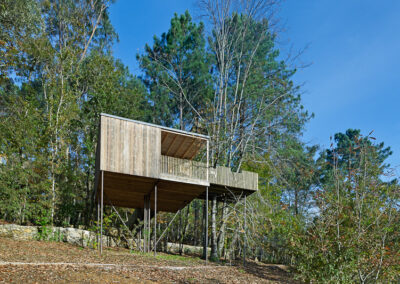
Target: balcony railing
183,168
225,177
188,170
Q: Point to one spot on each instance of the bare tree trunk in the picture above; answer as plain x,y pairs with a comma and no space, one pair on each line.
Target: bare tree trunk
221,235
181,111
196,231
214,252
204,230
180,229
184,225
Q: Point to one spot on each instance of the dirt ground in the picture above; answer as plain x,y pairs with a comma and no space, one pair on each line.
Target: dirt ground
51,262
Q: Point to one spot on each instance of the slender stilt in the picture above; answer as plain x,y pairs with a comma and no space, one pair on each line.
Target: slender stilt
98,222
140,239
206,207
145,225
148,222
101,212
244,236
206,222
155,220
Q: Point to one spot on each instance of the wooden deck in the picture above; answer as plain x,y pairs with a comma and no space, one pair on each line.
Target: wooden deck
223,176
135,157
196,172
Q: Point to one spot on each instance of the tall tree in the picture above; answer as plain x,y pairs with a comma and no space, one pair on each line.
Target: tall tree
110,88
353,237
24,185
20,25
60,38
72,30
255,106
297,174
254,98
176,73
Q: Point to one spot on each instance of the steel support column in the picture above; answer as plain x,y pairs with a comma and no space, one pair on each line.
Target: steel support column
101,212
140,239
98,220
144,224
208,158
155,220
245,230
206,225
148,223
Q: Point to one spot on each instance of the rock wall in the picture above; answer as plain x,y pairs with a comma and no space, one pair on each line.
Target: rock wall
17,232
82,238
69,235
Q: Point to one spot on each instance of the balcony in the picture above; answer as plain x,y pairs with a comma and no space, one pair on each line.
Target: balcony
135,158
223,176
182,170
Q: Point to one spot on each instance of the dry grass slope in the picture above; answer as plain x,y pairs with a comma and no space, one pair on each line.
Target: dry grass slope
51,262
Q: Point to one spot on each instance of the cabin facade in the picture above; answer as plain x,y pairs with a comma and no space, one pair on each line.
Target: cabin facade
155,168
135,156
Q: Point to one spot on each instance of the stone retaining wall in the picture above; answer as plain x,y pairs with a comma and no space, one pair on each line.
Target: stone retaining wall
81,237
69,235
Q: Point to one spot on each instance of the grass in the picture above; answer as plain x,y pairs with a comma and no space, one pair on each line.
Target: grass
125,266
184,259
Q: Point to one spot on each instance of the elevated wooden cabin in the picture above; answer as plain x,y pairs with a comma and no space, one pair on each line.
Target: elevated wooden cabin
133,157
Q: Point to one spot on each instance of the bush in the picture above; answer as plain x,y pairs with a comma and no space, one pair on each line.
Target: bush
355,235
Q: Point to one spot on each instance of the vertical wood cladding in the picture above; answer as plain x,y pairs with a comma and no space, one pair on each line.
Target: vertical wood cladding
129,148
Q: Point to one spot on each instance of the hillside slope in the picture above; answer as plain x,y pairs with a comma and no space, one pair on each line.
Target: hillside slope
39,262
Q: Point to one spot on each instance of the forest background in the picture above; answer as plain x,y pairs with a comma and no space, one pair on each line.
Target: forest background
333,214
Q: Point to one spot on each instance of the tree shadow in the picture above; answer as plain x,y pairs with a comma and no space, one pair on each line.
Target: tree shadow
272,272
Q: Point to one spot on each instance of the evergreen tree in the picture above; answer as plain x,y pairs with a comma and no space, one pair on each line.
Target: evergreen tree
353,237
176,73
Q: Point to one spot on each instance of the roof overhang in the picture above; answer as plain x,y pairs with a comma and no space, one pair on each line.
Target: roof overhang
180,145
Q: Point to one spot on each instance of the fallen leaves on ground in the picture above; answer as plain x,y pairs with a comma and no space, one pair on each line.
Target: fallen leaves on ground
44,262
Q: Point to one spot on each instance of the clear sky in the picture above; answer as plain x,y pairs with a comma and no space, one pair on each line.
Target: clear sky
353,47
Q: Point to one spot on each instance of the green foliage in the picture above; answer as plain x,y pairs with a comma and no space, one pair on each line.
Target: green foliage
20,24
176,73
335,218
49,121
23,175
256,106
46,232
95,228
353,237
298,175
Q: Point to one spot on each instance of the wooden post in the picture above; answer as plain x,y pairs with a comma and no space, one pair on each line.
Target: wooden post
101,212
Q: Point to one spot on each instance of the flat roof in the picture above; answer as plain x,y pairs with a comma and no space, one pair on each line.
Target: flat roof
206,137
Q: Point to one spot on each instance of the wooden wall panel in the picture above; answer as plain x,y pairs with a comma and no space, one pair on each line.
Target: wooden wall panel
225,177
129,148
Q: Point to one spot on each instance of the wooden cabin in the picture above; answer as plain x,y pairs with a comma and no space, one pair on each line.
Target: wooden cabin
155,168
133,157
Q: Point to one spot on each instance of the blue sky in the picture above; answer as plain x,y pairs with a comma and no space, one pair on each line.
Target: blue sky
353,47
